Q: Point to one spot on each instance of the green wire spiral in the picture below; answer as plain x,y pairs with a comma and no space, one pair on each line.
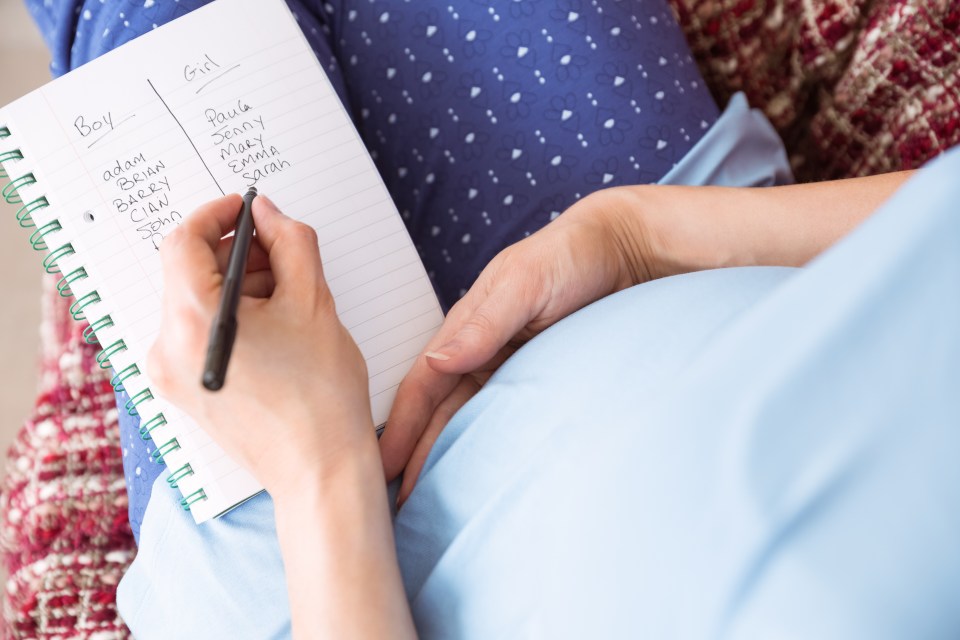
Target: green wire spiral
24,215
117,380
140,398
90,333
50,262
66,281
156,421
103,358
174,479
76,309
165,449
193,499
38,237
10,192
25,212
8,156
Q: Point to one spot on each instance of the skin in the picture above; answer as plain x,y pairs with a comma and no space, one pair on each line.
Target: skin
295,412
606,242
296,369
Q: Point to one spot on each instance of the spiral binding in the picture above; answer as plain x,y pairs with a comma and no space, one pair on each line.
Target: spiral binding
50,262
138,399
123,375
11,192
9,156
174,478
167,447
17,155
25,212
193,499
145,428
64,285
90,333
103,358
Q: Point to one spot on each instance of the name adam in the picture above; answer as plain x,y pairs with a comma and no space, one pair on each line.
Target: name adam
124,176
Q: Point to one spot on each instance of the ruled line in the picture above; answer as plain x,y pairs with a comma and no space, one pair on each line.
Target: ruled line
189,139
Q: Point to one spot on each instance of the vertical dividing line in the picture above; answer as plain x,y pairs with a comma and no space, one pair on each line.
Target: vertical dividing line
189,139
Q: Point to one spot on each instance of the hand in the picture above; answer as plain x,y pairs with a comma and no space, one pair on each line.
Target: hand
606,242
296,393
573,261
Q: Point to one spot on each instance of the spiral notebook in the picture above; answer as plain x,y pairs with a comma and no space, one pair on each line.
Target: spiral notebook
107,160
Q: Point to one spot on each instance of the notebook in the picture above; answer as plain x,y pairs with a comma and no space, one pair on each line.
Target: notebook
104,162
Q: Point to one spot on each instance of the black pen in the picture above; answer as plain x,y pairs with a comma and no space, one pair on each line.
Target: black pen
224,328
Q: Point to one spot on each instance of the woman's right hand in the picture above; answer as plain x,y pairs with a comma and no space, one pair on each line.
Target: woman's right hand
578,258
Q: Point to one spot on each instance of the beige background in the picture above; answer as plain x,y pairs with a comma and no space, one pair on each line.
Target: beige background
24,65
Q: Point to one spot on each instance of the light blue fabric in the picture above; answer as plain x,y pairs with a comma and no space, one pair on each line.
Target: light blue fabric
739,453
741,150
750,453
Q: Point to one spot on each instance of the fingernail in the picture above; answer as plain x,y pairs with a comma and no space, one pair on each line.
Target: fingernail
436,355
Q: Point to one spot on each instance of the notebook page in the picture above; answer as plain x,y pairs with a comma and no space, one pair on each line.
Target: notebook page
213,103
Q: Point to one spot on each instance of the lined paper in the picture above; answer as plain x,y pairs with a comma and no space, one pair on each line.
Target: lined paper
128,145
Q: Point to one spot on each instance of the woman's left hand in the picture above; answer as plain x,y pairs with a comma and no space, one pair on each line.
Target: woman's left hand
610,240
295,399
576,259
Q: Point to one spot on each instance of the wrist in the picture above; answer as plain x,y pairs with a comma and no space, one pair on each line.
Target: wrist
669,230
655,234
324,499
337,544
326,464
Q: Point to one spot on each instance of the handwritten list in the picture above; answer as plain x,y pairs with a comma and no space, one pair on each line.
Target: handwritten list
171,126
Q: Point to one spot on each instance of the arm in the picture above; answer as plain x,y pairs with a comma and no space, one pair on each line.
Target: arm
606,242
337,544
669,230
294,411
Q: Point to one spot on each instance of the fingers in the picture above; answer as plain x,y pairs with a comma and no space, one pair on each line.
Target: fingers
465,389
257,261
418,396
420,393
259,284
187,254
213,220
292,248
478,331
473,334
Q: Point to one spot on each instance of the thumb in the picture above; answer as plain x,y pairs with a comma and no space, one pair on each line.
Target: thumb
472,334
484,329
292,249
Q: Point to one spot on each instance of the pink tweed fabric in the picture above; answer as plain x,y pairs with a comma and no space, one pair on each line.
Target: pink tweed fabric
855,87
898,102
776,51
65,540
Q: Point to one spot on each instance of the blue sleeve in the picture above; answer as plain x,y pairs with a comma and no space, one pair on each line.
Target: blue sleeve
77,31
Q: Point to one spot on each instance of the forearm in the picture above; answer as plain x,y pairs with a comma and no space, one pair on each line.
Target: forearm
694,228
337,544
